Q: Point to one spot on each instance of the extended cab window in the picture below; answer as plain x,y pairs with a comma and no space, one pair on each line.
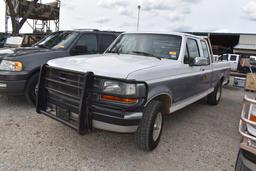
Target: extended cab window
105,41
87,44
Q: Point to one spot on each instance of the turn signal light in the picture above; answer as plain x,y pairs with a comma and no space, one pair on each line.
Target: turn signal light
119,99
253,118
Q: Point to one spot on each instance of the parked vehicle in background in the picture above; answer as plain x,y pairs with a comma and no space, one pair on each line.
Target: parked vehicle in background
23,40
19,71
246,160
233,59
253,60
138,80
50,40
247,65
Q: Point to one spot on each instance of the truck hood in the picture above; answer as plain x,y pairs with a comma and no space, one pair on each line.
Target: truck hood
27,51
6,51
109,65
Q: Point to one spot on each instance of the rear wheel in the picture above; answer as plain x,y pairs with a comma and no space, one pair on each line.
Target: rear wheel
151,126
215,96
30,91
239,163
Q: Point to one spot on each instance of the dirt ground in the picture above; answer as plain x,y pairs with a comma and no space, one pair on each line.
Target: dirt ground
199,137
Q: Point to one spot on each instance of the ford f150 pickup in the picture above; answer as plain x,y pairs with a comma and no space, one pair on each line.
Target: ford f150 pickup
19,71
139,79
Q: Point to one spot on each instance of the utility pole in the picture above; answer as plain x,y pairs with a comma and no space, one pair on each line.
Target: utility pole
138,21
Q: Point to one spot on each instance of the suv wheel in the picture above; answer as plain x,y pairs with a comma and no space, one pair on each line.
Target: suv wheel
215,96
151,126
30,91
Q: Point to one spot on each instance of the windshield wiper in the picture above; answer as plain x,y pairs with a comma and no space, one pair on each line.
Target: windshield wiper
146,54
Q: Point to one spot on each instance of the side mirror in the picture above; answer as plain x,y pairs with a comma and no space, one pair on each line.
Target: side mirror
198,61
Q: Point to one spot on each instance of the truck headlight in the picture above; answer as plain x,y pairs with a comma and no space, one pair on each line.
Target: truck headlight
11,65
119,88
116,91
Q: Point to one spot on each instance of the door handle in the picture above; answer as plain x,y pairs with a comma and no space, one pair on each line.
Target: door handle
202,69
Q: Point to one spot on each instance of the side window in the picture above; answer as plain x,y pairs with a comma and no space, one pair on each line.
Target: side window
105,41
205,49
186,57
193,49
87,44
233,58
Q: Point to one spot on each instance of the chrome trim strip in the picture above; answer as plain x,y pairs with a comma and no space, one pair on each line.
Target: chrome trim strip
174,77
113,128
137,115
189,101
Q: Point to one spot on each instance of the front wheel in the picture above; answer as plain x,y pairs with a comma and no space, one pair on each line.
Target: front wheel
215,96
30,91
151,126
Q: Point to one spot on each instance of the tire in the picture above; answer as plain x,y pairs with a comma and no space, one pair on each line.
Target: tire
239,163
146,137
30,91
215,96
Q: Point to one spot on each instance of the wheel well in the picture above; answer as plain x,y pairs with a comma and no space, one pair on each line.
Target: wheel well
31,74
165,101
222,79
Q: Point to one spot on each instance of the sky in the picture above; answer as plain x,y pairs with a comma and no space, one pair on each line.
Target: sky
156,15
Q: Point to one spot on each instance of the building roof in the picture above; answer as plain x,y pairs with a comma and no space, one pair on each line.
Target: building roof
246,46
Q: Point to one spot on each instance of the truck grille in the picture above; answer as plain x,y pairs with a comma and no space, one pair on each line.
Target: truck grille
74,99
63,96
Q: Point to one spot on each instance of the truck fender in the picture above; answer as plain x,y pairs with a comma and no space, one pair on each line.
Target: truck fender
163,94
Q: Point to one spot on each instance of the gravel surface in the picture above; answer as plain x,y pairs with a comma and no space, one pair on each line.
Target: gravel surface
199,137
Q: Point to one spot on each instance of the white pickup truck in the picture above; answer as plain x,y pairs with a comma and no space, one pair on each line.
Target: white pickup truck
233,59
139,79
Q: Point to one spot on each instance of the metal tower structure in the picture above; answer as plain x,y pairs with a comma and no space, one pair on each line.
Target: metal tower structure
41,17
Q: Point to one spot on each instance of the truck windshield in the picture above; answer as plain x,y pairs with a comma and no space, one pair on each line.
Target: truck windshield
64,40
155,45
49,41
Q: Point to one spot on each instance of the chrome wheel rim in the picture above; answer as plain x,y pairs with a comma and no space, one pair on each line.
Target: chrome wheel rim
157,126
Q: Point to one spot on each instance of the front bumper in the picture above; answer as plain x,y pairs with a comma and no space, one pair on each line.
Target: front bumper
248,155
73,99
248,145
12,83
